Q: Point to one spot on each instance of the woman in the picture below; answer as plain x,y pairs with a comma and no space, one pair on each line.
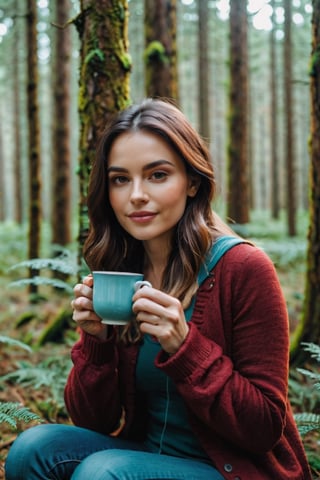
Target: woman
196,388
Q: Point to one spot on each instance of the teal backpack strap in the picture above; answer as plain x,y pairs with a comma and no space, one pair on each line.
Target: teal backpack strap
218,249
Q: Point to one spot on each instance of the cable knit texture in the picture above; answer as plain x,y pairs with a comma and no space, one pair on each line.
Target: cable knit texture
231,371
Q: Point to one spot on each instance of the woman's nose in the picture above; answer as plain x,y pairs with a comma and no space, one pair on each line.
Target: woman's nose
138,193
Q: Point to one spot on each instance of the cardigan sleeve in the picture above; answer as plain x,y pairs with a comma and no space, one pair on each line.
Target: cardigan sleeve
92,392
237,388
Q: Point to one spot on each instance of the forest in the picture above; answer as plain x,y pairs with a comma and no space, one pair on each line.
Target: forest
247,75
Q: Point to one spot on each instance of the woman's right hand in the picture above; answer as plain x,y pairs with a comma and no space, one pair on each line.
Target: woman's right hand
83,313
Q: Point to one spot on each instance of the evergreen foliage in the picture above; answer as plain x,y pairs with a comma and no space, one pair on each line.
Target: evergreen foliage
13,412
41,281
14,343
309,421
50,374
65,264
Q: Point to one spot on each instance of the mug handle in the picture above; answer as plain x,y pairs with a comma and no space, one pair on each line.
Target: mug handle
141,284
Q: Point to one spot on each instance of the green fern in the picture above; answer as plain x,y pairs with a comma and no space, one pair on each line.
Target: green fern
11,413
40,281
46,373
60,264
309,421
302,397
311,375
14,343
314,350
64,264
51,374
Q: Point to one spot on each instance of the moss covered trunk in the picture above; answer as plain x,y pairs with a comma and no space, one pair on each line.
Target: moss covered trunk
238,178
161,73
275,198
104,81
203,70
61,218
309,328
34,137
17,155
289,121
2,177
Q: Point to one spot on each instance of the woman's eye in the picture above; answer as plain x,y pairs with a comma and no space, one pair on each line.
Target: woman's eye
118,180
159,175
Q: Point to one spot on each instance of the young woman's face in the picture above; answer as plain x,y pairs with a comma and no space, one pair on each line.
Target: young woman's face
148,186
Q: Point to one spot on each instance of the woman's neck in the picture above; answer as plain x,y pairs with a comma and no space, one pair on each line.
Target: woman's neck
156,259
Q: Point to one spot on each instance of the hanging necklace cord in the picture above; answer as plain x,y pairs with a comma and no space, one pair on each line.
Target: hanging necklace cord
165,415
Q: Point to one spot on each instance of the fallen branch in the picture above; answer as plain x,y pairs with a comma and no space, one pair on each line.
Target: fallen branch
8,442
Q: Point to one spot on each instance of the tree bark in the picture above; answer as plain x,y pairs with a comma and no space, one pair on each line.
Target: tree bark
289,121
238,178
104,82
61,199
34,138
16,125
203,70
161,72
2,179
309,328
275,203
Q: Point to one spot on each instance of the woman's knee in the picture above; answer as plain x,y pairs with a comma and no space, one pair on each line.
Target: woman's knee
30,439
117,464
104,465
28,449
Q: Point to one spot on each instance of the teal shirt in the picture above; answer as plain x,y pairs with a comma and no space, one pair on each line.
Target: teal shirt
169,431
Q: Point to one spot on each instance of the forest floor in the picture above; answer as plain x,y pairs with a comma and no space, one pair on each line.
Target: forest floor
41,391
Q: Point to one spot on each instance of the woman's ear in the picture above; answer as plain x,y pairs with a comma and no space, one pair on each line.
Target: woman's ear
193,187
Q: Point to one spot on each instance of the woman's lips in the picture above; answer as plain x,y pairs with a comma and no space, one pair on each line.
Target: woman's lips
142,217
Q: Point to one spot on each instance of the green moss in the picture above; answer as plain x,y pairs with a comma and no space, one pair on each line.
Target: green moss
315,62
155,52
118,13
94,55
55,329
25,318
126,61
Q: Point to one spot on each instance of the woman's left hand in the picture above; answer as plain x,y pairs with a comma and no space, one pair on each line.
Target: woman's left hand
161,316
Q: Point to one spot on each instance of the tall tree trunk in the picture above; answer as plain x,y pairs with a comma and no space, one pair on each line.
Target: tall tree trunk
16,124
2,179
161,72
34,138
203,70
61,200
104,82
309,328
238,178
275,203
289,121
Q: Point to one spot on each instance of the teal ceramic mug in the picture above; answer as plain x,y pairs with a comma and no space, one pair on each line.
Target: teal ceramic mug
112,295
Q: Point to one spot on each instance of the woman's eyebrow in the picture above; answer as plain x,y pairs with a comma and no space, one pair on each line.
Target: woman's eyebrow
116,169
156,163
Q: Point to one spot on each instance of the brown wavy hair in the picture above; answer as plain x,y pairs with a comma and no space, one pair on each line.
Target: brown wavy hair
109,247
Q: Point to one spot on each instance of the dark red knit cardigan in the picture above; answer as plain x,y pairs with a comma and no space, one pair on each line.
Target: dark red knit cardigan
231,372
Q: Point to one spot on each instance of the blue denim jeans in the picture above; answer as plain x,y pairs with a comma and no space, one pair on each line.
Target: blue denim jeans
64,452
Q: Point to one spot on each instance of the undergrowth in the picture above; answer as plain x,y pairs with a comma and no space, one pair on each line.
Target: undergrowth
49,375
14,414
